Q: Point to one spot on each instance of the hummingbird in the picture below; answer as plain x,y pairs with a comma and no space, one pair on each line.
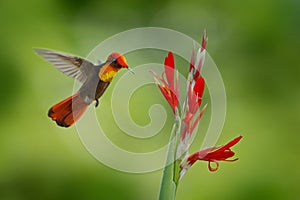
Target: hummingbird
95,79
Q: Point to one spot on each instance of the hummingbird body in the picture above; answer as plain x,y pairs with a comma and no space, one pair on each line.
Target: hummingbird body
93,88
94,78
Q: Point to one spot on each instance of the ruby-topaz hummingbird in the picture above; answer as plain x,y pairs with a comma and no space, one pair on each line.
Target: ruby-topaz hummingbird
95,79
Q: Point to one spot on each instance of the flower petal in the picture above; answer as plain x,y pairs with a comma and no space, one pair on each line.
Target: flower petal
170,96
231,143
198,118
177,85
214,154
192,61
204,40
169,69
200,56
165,93
158,77
199,87
213,169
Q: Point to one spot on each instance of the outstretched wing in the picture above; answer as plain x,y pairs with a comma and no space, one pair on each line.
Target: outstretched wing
70,65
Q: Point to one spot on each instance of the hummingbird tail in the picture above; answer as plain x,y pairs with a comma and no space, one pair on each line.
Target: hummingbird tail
68,111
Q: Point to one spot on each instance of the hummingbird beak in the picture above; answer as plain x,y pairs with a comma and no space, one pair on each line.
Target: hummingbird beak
131,70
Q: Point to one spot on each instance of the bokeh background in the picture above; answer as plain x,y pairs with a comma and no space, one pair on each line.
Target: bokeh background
255,45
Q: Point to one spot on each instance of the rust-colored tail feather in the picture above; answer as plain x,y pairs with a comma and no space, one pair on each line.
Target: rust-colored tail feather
68,111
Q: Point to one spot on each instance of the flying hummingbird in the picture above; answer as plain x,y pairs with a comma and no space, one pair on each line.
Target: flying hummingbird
95,79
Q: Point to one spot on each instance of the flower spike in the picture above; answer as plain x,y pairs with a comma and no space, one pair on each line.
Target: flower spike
179,160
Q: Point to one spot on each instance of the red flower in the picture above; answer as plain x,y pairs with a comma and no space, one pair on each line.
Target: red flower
167,87
215,154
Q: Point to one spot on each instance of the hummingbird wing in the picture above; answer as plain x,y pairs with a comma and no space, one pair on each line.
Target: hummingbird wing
73,66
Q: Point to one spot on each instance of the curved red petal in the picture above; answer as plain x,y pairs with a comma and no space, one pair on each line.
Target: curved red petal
199,87
174,98
193,104
213,169
232,160
231,143
164,92
219,155
198,118
169,60
169,69
169,96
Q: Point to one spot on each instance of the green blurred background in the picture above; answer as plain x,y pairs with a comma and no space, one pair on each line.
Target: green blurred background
255,45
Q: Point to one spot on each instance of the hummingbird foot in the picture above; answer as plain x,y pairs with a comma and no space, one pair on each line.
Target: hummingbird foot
97,103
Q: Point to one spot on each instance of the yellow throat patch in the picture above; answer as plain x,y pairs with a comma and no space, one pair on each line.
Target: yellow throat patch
107,73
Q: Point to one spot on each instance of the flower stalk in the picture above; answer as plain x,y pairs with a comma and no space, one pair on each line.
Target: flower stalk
186,119
169,180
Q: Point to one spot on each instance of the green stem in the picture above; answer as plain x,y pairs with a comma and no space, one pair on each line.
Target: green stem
170,175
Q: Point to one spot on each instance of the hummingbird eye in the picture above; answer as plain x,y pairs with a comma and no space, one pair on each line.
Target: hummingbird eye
115,63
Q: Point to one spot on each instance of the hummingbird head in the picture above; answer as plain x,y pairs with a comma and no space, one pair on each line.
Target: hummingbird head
117,60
